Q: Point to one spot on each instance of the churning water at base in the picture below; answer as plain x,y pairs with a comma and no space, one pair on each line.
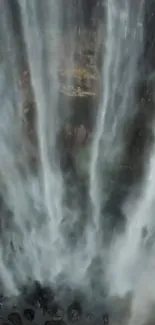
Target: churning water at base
35,218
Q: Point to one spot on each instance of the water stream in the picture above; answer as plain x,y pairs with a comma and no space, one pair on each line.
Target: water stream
44,236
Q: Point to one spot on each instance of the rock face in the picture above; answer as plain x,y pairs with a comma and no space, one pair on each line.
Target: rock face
13,10
149,36
78,93
79,88
78,75
80,64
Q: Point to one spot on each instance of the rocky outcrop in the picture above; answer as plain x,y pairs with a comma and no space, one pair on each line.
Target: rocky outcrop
78,92
78,95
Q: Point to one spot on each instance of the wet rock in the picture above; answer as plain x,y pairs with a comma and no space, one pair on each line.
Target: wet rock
33,301
74,312
36,304
29,314
79,84
105,319
52,309
59,314
81,135
45,297
55,311
15,319
78,105
1,298
40,297
90,317
72,140
82,158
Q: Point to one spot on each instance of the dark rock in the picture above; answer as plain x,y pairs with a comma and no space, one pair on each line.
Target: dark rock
40,297
105,319
45,297
17,31
59,314
15,319
74,312
52,310
149,35
29,314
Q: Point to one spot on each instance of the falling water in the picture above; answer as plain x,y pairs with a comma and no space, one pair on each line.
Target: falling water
32,200
35,218
38,226
121,52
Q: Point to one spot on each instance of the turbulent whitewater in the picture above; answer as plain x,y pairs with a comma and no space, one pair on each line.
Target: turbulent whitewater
40,237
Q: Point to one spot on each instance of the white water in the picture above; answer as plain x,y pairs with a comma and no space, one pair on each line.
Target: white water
35,201
131,258
123,44
39,217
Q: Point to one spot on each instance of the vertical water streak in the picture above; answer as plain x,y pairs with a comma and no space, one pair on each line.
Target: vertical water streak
11,148
135,248
41,24
123,44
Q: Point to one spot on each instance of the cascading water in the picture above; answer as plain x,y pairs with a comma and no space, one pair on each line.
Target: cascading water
35,201
39,240
133,268
24,192
122,48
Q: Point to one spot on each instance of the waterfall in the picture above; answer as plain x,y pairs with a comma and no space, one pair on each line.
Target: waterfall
122,47
54,224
